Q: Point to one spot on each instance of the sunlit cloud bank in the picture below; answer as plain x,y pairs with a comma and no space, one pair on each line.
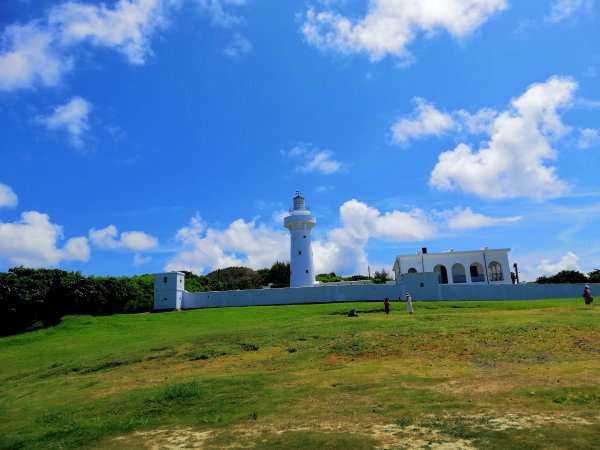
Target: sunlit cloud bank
109,238
343,250
516,159
531,266
34,241
390,26
41,52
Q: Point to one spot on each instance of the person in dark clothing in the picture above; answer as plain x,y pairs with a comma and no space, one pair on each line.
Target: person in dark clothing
386,305
587,295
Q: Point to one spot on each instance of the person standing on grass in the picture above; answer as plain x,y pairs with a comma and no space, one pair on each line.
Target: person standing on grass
409,306
386,305
587,295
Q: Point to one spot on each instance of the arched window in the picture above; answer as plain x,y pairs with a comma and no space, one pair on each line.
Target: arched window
442,273
476,272
458,273
495,271
412,270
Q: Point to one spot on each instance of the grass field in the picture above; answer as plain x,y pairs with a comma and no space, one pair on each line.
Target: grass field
453,375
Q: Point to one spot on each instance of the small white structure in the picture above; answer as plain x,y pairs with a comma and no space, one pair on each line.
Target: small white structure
168,290
300,222
485,266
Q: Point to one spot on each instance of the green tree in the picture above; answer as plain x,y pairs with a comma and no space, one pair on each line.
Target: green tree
232,278
564,276
196,283
594,276
569,276
140,293
356,278
381,277
279,273
328,277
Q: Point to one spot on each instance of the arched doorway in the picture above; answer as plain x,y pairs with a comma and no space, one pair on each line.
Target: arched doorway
495,271
412,270
458,273
442,273
476,272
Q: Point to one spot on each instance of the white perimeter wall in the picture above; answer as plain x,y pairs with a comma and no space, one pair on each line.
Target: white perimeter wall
286,296
425,286
377,292
422,287
514,291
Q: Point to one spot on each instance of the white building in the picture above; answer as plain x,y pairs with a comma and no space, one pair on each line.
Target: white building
485,266
168,290
300,222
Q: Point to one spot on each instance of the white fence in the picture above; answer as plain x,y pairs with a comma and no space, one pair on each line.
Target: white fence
288,296
422,287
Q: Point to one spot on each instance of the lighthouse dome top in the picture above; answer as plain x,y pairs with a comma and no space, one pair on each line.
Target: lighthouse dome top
300,215
299,204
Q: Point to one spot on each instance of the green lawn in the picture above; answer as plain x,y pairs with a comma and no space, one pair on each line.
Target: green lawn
522,374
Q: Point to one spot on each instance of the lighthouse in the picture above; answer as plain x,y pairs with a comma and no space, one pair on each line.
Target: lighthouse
300,222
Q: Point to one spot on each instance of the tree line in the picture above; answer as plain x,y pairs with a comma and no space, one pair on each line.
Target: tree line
570,276
37,298
377,278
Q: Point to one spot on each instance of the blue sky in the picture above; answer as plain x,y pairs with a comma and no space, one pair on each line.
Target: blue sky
146,135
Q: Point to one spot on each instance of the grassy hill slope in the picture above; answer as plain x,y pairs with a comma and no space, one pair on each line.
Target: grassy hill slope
475,374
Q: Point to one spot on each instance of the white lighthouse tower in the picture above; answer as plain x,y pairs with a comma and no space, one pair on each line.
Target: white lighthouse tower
300,222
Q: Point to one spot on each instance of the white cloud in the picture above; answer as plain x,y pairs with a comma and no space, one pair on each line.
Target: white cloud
588,137
278,216
71,117
344,250
242,243
28,57
512,162
38,53
393,225
465,218
8,198
568,262
138,240
218,11
257,246
33,242
322,162
315,160
127,27
238,47
391,25
108,238
426,120
563,9
139,260
482,122
321,188
341,250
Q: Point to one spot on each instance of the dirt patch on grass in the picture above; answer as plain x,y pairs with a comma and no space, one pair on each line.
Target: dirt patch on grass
525,421
393,436
165,439
389,436
426,433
